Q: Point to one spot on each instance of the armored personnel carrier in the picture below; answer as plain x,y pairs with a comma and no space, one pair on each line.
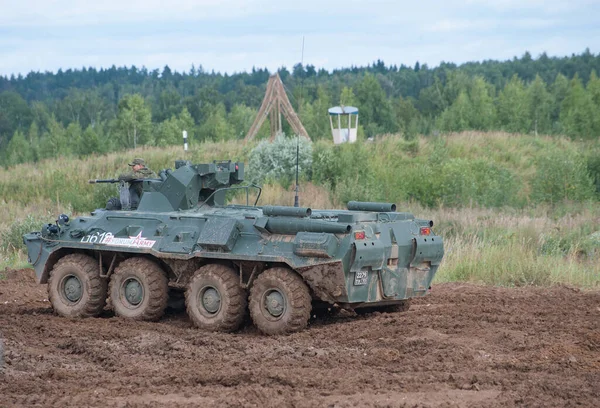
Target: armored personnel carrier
275,262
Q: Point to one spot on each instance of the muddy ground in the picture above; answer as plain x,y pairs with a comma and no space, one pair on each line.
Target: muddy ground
464,345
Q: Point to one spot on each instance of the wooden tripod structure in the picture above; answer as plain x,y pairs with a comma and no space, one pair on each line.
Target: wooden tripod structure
274,104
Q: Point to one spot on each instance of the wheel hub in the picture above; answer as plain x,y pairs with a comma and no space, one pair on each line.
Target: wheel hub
134,292
72,288
211,300
275,303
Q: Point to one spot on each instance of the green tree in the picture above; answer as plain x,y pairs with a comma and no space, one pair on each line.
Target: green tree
90,142
71,108
167,104
14,114
315,118
347,97
458,116
33,141
54,142
170,132
432,100
215,126
407,116
539,103
593,89
18,150
375,108
134,121
513,108
483,116
241,118
577,111
559,90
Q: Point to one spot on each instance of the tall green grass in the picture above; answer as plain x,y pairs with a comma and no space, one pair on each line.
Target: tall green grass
511,247
513,210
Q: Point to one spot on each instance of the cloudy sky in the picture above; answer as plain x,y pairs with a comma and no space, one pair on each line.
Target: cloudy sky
235,35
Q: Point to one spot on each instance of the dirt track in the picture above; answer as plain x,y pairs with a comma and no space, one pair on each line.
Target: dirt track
464,345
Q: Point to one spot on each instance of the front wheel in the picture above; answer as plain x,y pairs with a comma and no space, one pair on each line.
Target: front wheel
280,302
215,300
139,290
75,288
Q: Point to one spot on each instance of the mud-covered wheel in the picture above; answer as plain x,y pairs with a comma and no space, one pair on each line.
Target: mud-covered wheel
75,288
280,302
214,299
139,290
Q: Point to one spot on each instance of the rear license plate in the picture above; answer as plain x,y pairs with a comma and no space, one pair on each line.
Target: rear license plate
360,278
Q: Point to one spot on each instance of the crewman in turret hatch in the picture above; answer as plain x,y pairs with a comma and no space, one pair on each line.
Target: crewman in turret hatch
138,171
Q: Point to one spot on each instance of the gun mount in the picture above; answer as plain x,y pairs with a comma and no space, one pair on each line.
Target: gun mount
180,189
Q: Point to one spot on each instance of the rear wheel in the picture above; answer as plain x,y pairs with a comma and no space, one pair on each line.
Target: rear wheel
139,290
280,302
75,288
215,300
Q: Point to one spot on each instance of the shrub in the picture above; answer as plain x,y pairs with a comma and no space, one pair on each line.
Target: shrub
593,167
277,160
11,239
461,182
562,175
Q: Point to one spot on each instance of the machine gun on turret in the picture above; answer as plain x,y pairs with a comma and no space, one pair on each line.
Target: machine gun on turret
181,189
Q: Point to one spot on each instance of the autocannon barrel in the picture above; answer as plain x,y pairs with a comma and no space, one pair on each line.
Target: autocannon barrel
294,225
369,206
286,211
98,181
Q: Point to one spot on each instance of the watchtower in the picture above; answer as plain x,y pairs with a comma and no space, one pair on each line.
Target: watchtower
347,124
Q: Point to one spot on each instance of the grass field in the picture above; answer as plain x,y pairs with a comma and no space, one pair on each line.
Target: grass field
533,244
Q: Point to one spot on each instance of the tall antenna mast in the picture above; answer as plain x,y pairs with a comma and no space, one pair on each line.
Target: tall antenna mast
296,202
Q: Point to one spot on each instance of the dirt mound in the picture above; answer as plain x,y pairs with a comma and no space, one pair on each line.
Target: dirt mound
464,345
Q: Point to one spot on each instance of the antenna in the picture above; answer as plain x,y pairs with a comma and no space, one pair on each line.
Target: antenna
296,202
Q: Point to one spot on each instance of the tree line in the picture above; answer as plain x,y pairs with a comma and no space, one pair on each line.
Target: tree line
77,112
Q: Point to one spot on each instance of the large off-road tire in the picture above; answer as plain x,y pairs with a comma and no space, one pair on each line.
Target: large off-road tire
214,299
139,290
280,302
75,288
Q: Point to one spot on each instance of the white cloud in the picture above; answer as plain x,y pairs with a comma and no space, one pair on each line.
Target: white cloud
47,35
460,25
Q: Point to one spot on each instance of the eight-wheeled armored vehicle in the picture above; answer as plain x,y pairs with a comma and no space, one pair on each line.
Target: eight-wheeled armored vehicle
275,262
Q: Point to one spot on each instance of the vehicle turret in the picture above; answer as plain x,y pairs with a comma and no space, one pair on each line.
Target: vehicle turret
180,189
